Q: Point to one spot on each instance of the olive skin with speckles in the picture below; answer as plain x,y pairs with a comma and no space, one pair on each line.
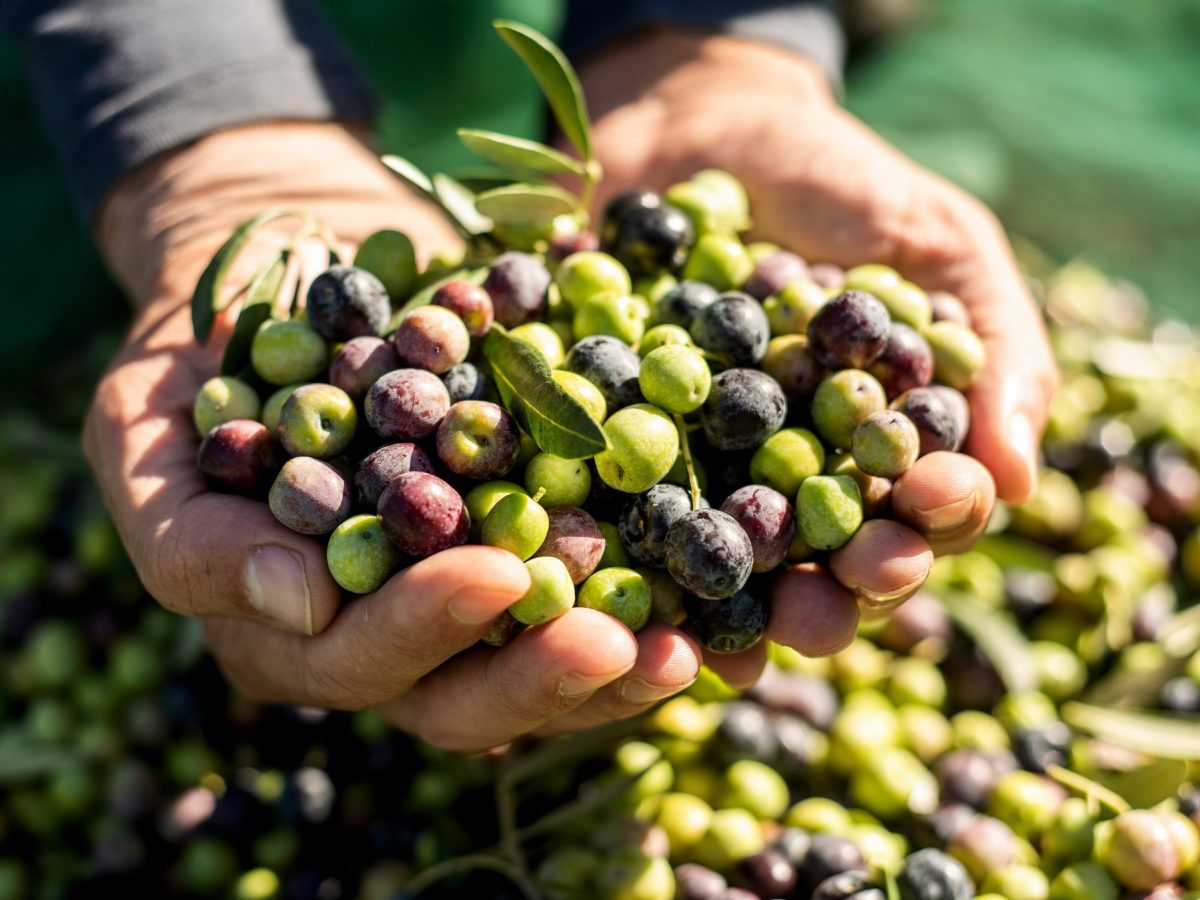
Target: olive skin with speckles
768,520
744,408
423,515
309,496
382,466
646,519
406,404
237,456
346,302
709,554
849,331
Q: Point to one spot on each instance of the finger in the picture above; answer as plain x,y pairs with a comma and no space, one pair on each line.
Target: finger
947,498
197,552
487,697
380,644
668,661
884,564
739,670
1010,398
811,612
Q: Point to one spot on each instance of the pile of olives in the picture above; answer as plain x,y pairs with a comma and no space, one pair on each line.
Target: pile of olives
127,767
755,411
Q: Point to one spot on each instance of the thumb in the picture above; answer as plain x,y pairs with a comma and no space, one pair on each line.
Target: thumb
1010,400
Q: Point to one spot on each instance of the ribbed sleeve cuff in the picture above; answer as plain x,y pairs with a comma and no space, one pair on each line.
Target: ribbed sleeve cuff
809,28
117,83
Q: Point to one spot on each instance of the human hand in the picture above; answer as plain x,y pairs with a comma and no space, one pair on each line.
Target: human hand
272,612
668,104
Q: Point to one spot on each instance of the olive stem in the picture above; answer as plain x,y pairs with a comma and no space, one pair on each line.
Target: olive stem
685,447
1089,789
460,865
506,813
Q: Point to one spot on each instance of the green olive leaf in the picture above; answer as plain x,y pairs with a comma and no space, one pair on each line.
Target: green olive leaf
1147,785
206,300
518,153
259,306
23,758
525,205
890,886
409,173
997,637
459,201
555,77
1156,734
554,419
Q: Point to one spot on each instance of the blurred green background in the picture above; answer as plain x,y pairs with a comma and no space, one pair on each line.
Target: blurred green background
1077,120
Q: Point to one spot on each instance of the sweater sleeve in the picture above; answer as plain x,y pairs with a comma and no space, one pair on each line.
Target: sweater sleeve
116,82
809,27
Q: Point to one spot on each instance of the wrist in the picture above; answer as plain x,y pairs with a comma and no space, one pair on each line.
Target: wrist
670,66
162,223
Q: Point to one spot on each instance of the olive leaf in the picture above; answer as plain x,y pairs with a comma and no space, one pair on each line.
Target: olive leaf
523,205
455,200
1156,734
408,172
997,637
206,300
518,153
889,883
554,419
259,306
1147,785
23,757
459,201
556,78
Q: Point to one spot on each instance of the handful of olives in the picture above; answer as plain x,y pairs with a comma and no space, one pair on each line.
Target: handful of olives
754,411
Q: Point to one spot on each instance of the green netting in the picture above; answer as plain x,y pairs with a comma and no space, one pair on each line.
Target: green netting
1077,120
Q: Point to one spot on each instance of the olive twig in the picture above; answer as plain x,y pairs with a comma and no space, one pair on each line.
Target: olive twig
693,484
506,813
460,865
1089,789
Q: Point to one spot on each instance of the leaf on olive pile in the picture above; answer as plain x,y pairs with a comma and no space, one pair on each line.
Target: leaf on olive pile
206,301
554,419
23,758
524,205
459,201
557,80
1147,785
518,153
259,306
998,638
1157,734
890,886
408,172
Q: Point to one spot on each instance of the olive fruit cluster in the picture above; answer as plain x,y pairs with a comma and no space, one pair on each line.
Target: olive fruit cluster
754,413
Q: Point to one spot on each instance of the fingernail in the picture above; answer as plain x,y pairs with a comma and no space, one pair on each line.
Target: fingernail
480,603
947,517
277,587
639,692
1021,434
577,684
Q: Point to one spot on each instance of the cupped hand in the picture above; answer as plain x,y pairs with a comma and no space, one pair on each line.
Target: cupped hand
670,103
275,619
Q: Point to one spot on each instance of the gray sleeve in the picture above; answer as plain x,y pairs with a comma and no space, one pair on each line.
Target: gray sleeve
809,27
116,82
